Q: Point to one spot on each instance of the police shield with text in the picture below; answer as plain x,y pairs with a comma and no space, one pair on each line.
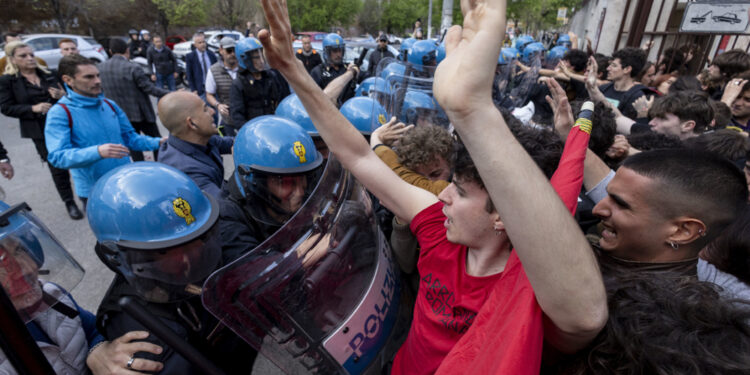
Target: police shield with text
322,294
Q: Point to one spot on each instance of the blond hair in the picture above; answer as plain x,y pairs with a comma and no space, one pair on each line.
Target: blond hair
10,49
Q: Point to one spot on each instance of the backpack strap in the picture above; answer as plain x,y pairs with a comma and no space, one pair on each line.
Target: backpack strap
110,106
67,112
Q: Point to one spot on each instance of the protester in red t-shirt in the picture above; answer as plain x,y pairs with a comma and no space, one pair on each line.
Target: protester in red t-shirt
556,257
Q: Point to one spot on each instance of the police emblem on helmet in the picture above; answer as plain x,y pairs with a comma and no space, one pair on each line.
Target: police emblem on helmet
381,119
299,150
182,208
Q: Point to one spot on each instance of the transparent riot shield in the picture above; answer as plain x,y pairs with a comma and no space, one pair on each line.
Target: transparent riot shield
321,295
523,81
35,269
409,94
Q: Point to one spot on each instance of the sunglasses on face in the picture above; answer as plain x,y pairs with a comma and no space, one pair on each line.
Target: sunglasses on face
229,50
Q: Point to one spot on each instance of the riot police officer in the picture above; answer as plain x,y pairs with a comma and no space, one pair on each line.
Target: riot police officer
423,58
276,168
159,233
257,89
333,51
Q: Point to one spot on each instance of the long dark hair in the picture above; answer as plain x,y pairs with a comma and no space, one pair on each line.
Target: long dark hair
667,324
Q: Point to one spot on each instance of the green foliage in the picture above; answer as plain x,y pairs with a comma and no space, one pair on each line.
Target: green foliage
371,17
539,14
399,15
320,15
183,12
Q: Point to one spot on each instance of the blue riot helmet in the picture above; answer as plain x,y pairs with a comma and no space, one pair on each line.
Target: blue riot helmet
403,50
418,108
531,50
291,108
372,85
156,228
35,269
522,41
564,40
333,43
422,53
554,55
277,167
394,70
509,54
250,56
501,60
366,114
363,89
441,52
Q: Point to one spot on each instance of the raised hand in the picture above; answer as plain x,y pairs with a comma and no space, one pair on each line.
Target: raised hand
732,91
642,105
463,81
277,39
389,133
563,114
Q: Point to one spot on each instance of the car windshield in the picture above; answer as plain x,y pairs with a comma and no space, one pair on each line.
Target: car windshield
91,41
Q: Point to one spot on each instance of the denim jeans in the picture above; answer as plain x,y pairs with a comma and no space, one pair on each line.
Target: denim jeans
165,79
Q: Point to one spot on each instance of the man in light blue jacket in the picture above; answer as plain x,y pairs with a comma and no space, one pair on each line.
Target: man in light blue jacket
85,132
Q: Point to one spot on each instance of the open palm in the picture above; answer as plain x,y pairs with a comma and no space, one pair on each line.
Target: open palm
464,79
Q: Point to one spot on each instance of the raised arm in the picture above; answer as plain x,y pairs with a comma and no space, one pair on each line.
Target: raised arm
342,138
558,261
337,86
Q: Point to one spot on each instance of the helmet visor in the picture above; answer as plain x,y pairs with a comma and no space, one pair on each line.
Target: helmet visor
170,274
35,269
335,55
277,197
255,60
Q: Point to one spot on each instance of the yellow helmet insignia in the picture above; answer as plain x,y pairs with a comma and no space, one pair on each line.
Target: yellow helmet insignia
182,208
381,119
299,150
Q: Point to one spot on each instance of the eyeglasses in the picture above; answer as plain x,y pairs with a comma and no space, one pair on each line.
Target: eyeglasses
229,50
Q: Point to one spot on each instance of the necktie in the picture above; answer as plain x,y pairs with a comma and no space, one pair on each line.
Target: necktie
203,65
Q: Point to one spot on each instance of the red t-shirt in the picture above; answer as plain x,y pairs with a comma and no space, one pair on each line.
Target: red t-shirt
508,333
448,298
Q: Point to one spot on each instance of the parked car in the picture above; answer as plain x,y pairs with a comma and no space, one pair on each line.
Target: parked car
315,36
212,39
46,47
172,40
354,49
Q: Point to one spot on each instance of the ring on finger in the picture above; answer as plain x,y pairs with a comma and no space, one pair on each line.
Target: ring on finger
130,362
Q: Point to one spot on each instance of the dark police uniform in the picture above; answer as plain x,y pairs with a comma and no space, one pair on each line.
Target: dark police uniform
189,320
324,74
252,97
310,61
240,232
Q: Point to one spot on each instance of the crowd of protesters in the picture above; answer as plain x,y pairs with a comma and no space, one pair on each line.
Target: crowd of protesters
571,212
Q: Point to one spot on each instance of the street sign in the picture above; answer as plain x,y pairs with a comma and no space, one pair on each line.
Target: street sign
715,17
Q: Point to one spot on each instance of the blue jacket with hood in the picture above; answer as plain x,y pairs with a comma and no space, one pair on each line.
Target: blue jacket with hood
94,123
